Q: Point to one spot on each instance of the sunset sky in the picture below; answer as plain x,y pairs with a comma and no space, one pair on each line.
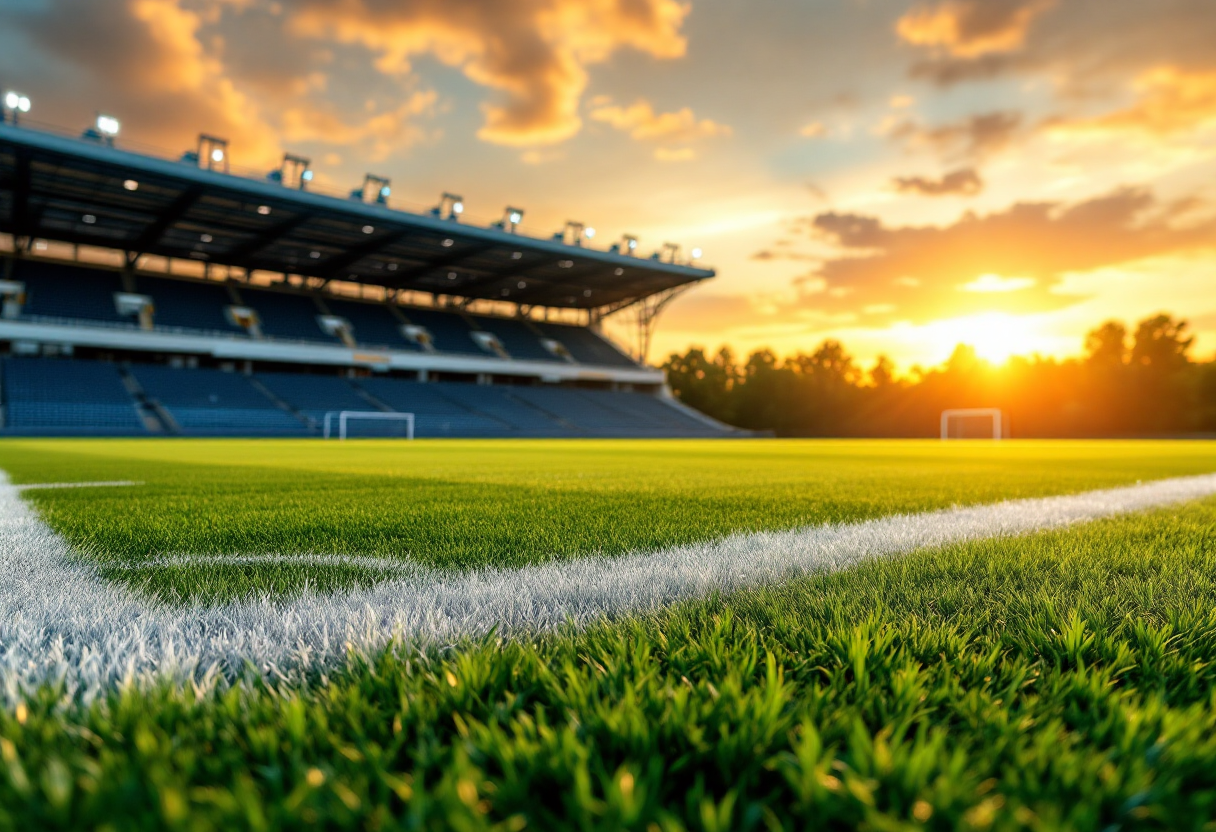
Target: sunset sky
900,175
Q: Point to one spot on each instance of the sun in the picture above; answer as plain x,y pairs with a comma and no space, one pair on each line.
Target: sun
995,336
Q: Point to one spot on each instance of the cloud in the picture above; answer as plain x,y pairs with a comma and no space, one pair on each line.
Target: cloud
920,269
1169,101
674,154
974,137
961,182
814,130
971,28
641,122
533,53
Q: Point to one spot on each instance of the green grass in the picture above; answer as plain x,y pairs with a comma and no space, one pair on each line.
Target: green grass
466,503
1061,681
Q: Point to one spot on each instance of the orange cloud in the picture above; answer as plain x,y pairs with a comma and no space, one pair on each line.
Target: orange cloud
386,131
974,137
962,182
1007,261
535,53
1170,101
643,123
971,28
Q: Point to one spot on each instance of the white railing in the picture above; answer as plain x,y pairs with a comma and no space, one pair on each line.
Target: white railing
345,416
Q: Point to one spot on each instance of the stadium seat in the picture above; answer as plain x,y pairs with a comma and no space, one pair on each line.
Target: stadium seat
65,396
207,402
286,316
374,325
70,293
516,338
586,346
189,305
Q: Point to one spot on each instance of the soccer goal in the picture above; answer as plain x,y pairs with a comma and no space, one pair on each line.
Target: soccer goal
973,423
345,417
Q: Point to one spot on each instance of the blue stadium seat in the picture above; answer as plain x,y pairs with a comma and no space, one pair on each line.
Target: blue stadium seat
190,305
517,339
287,316
64,396
54,291
315,395
434,413
586,346
208,402
374,325
449,330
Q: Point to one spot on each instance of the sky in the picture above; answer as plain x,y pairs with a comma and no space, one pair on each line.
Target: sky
901,175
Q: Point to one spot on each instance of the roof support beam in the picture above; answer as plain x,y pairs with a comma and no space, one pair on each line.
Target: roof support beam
331,267
241,253
453,259
21,196
174,212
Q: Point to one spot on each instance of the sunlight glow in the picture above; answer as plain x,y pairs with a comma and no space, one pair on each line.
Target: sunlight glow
995,335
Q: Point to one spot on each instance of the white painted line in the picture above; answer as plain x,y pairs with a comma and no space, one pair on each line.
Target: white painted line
60,621
38,486
183,561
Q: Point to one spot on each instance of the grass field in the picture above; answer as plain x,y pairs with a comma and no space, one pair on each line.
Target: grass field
1062,680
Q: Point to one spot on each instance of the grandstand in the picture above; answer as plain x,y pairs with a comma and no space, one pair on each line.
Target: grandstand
144,295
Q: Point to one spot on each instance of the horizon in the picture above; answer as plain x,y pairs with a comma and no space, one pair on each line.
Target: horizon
899,176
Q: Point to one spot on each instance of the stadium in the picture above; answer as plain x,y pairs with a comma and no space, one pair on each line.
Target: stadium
323,510
274,305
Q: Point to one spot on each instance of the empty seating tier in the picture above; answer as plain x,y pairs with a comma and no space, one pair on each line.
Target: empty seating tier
54,291
287,316
586,346
215,403
189,305
60,395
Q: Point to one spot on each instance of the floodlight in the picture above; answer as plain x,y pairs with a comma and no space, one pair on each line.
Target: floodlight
108,125
217,155
450,207
374,189
264,210
131,185
696,254
212,153
16,103
306,176
510,219
573,233
386,191
368,229
588,232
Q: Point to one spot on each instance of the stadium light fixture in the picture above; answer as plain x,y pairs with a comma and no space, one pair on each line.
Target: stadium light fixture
264,210
375,189
108,126
670,253
450,207
573,233
16,103
293,172
212,153
696,253
131,185
368,229
589,232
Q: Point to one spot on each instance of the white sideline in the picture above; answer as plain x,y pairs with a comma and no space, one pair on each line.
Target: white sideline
59,620
38,486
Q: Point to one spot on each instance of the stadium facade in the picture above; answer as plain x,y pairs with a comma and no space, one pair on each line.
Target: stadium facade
145,295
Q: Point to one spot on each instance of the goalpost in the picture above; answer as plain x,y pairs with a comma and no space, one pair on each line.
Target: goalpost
958,414
344,416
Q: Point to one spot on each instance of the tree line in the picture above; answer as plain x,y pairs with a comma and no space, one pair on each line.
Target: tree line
1141,382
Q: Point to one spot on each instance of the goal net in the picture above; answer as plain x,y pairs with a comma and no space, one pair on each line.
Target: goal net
973,423
368,424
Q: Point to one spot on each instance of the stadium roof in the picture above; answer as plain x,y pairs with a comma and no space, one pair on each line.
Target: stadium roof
86,192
